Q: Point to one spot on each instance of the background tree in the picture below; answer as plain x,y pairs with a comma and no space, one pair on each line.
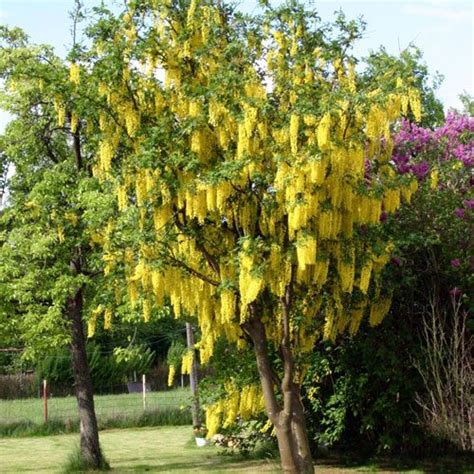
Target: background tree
467,102
410,63
254,161
47,260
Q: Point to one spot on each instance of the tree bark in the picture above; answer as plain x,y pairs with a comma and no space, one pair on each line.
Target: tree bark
89,433
298,427
288,419
193,379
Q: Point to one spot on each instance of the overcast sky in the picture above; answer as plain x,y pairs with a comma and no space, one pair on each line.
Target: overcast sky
442,29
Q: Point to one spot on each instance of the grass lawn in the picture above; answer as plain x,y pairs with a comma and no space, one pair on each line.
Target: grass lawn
107,406
163,449
171,449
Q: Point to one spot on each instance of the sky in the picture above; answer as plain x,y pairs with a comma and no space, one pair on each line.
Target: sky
442,29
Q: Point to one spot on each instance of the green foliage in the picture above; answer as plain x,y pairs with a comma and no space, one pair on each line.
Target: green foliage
467,101
175,353
360,394
45,249
410,62
133,360
246,440
106,370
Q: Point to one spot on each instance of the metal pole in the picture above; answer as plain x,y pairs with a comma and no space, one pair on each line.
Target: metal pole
193,377
45,400
144,391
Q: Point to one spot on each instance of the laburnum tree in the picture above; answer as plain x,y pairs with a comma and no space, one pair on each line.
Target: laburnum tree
50,268
251,165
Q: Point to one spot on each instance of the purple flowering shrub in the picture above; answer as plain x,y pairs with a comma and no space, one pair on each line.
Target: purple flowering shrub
417,149
434,233
434,237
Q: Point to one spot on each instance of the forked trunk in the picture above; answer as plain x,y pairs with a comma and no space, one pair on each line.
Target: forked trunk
288,419
89,433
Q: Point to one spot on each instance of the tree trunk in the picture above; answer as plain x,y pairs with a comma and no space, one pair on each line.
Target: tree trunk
193,379
298,428
288,419
89,433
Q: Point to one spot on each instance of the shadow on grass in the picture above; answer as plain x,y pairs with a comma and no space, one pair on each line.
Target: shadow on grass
207,459
449,464
209,466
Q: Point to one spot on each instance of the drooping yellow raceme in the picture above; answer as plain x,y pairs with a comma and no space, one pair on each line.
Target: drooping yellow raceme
171,375
187,362
92,322
74,73
60,109
247,403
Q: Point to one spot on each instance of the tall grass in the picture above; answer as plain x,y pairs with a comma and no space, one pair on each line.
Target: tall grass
166,417
76,463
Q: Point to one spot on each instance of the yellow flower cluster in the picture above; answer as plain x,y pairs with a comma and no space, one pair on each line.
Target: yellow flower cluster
391,200
378,310
228,301
92,322
74,122
106,153
72,218
171,375
365,276
356,315
75,73
324,131
108,319
187,362
306,251
246,403
250,284
60,232
60,109
294,127
122,197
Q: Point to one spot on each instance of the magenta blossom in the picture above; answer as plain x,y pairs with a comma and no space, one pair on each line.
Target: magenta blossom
469,203
459,212
413,145
455,262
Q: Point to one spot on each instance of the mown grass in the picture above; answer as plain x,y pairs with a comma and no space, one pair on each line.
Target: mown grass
163,449
172,449
25,417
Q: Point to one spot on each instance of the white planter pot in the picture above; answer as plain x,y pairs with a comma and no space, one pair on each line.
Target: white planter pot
201,442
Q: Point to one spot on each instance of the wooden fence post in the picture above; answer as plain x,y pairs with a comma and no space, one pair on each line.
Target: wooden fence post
144,391
193,378
45,400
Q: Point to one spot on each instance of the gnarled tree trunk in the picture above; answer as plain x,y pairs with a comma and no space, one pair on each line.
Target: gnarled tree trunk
89,433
